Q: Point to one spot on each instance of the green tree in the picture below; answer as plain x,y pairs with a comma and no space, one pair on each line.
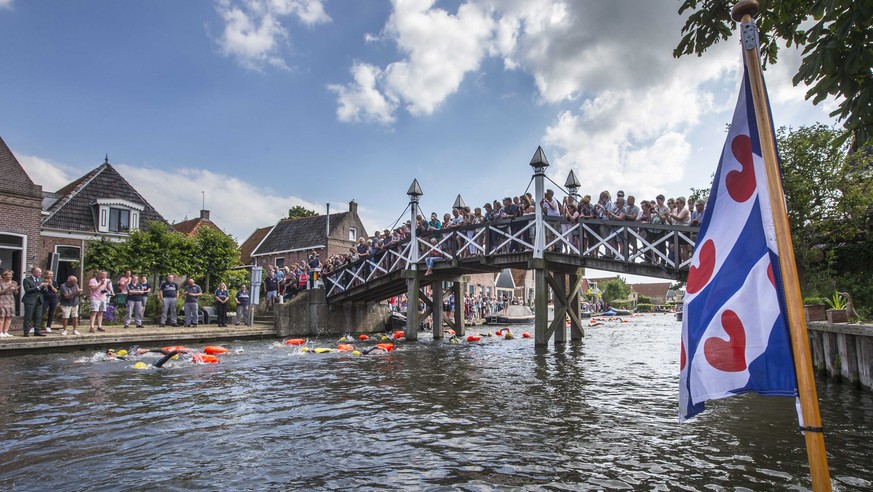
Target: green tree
157,250
837,54
828,190
103,254
298,212
217,253
615,290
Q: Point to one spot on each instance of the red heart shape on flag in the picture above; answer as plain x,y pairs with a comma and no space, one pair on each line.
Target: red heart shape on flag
741,184
698,276
730,355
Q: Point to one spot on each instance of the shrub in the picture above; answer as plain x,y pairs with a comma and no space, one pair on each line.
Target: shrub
645,307
813,300
643,299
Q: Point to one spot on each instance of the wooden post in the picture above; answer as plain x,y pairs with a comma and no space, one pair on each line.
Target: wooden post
437,314
560,324
815,448
541,306
412,286
458,291
576,329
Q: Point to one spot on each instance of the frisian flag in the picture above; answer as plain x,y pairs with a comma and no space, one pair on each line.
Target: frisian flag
735,336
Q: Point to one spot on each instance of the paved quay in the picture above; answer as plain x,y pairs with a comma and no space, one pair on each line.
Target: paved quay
119,337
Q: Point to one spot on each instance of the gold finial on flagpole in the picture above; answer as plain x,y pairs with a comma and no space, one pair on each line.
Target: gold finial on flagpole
742,8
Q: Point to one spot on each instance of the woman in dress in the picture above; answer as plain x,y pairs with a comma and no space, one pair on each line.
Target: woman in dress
8,289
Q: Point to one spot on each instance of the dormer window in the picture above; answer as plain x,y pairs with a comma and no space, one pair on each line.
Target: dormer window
117,215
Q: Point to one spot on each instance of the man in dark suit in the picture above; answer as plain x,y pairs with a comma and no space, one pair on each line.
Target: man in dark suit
32,300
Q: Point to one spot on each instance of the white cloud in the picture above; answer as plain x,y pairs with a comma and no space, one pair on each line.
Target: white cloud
6,4
361,101
439,48
52,176
253,33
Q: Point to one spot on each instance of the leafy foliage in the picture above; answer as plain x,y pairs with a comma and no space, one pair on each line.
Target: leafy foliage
298,212
615,290
215,253
102,255
837,53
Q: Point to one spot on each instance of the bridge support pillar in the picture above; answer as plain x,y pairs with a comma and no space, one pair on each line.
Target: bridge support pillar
437,309
577,331
541,306
559,322
458,291
412,286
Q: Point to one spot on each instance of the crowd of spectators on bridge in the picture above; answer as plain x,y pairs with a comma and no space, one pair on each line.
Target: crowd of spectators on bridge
598,236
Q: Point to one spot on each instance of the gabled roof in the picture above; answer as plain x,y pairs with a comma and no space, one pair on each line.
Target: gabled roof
189,227
299,234
248,246
505,280
15,180
74,210
658,289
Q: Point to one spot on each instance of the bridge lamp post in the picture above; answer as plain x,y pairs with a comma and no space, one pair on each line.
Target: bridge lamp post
414,193
539,163
572,184
459,203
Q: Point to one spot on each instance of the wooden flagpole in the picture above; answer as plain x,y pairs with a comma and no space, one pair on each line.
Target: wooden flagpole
812,428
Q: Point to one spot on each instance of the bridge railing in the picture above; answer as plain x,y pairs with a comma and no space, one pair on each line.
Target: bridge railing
625,242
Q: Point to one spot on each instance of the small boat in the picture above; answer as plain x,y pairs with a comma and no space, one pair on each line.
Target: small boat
396,321
513,314
617,312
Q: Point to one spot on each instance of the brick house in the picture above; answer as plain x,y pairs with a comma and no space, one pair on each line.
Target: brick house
100,204
20,209
191,226
656,291
290,240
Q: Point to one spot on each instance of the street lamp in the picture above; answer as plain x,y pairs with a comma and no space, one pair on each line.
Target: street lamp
459,203
539,161
572,184
414,191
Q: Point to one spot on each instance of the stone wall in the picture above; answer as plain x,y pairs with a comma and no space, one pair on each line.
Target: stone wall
843,351
309,315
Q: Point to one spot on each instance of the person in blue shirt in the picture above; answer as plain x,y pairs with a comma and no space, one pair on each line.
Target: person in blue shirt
242,305
137,293
221,298
167,294
192,306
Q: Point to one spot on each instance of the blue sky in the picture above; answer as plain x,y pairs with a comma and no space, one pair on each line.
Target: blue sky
266,104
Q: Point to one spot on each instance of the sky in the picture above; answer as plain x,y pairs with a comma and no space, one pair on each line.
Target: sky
268,104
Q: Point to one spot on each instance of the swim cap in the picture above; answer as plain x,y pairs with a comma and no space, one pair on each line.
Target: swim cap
176,357
122,352
356,352
140,365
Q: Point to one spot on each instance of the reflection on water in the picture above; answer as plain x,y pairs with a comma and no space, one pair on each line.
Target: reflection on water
600,414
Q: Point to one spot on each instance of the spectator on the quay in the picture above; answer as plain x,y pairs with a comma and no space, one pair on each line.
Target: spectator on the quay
49,298
8,289
124,281
137,293
271,287
100,290
68,294
192,305
314,265
242,305
32,299
290,284
167,294
221,297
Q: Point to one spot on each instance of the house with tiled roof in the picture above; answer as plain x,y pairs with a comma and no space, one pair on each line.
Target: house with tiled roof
656,291
191,226
248,246
291,240
100,204
20,208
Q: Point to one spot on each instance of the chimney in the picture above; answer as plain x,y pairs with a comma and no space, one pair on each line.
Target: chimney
204,214
353,208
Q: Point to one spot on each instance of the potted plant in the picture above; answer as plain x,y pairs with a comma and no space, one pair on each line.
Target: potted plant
837,312
814,308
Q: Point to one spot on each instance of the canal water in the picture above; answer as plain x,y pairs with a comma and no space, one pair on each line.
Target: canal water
496,414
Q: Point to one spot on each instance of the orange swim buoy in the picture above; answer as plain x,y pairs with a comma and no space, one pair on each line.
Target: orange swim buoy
363,337
473,338
345,347
174,348
214,350
399,334
499,332
295,341
525,335
386,346
205,359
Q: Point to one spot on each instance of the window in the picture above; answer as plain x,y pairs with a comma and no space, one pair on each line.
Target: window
280,262
353,234
67,253
119,220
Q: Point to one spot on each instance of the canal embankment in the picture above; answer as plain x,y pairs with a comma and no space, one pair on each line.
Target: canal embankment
843,351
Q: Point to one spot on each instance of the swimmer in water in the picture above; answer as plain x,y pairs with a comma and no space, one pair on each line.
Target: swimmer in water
136,351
